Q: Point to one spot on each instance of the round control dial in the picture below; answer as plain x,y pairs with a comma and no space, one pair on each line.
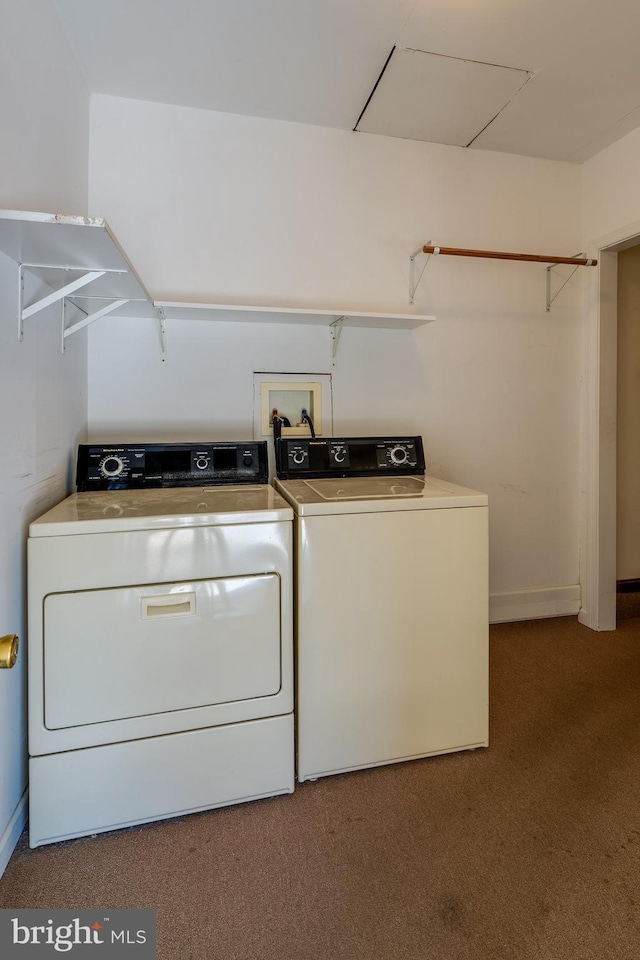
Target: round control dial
398,455
111,466
297,455
202,463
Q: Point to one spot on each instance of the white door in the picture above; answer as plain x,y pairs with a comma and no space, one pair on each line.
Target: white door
130,652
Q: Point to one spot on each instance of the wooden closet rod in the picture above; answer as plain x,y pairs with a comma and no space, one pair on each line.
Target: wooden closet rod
497,255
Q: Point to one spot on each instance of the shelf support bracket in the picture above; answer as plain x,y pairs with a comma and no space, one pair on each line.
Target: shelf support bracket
162,330
413,283
91,318
335,329
88,276
552,266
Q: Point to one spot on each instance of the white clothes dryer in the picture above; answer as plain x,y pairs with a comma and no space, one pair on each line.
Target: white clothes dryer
391,604
160,639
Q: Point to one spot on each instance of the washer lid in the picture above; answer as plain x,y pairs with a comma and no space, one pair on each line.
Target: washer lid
120,510
367,488
376,495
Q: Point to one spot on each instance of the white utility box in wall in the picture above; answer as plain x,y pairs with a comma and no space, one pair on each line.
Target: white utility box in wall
290,395
292,401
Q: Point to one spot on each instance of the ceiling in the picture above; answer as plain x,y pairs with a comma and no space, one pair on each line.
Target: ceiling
556,79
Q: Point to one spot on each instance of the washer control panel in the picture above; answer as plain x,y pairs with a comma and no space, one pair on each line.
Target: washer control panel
135,466
348,456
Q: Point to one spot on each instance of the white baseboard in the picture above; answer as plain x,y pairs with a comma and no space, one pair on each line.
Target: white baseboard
534,604
11,833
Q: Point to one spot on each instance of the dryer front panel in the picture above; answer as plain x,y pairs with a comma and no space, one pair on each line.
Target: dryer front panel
146,633
119,653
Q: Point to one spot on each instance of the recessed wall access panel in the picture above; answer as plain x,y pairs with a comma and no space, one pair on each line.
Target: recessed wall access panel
291,401
291,394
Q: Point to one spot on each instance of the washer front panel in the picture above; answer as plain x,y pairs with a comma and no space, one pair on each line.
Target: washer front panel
392,637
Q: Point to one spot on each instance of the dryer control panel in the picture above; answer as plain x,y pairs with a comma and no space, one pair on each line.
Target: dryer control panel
348,457
130,466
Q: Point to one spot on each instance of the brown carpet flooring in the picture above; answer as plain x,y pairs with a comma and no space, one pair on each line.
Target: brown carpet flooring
530,849
627,604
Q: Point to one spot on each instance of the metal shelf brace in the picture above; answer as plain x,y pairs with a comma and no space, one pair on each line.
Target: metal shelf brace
162,331
413,283
88,276
335,330
553,266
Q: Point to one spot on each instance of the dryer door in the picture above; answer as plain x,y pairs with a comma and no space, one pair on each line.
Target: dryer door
119,653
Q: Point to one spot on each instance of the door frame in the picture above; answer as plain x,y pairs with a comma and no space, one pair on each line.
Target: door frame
598,523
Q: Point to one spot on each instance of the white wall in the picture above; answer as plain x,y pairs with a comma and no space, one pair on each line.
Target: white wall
44,118
611,190
43,113
215,207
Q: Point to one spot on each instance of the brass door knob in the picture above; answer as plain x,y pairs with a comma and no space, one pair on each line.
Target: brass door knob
8,651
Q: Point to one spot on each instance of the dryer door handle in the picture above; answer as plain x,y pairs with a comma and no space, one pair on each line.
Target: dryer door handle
168,605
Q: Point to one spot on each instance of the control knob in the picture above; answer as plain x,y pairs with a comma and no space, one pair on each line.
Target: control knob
339,456
111,466
202,463
247,460
398,455
298,456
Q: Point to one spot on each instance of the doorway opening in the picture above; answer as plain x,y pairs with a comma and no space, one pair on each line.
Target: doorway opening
599,560
628,435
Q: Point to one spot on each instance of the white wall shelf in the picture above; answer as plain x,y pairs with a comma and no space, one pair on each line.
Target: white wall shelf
80,264
264,314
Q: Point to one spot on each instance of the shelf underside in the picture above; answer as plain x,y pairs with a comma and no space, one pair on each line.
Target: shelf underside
60,249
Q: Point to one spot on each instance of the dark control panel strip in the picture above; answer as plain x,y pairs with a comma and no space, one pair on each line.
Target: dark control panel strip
348,457
134,466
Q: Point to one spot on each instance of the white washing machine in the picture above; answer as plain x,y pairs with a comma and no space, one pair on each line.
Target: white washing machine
391,604
160,639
